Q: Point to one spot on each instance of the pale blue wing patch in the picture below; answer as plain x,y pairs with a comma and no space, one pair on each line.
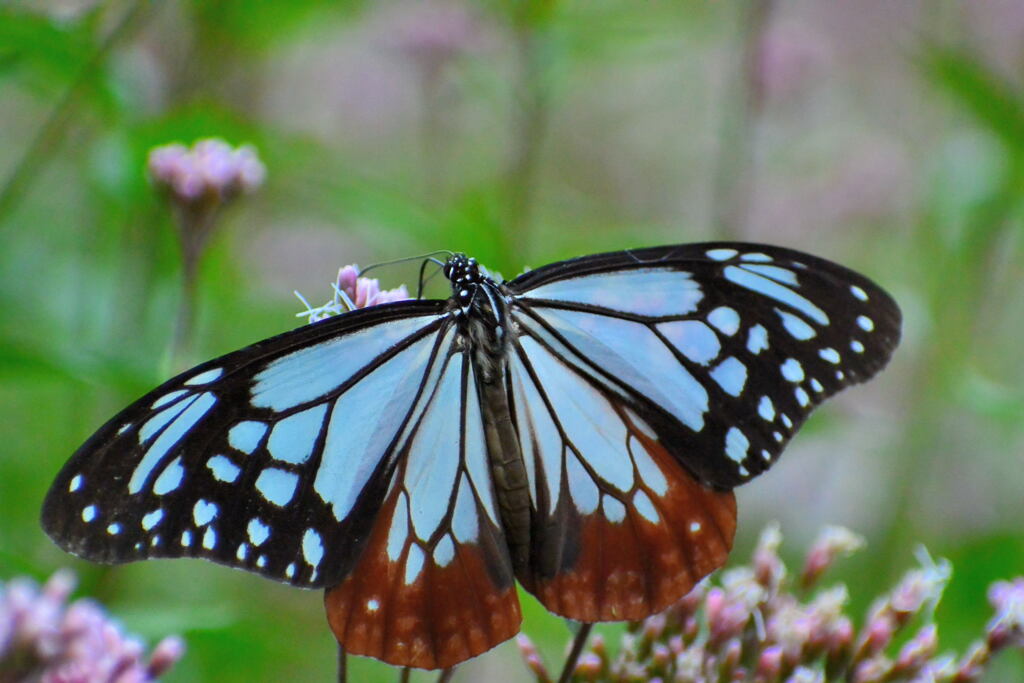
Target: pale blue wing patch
314,371
637,357
653,292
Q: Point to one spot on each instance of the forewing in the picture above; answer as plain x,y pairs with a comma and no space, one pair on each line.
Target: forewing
620,528
722,348
434,584
274,459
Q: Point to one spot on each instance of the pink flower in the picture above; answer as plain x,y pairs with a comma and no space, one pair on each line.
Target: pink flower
212,170
351,291
43,639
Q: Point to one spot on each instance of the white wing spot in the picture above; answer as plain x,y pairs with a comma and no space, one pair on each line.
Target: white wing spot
736,445
289,571
721,254
693,339
694,527
155,541
775,290
614,511
792,370
186,538
783,275
203,512
151,519
857,346
245,436
756,256
170,478
795,325
801,397
223,469
89,513
766,409
413,564
865,323
725,319
859,293
731,375
786,421
830,354
765,455
840,375
258,531
444,552
209,538
399,530
114,529
242,552
205,377
643,505
261,561
277,486
650,474
312,548
757,339
816,385
372,605
778,436
76,483
123,429
293,438
167,398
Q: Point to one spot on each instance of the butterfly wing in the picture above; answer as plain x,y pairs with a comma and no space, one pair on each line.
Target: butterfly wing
724,348
647,384
324,457
265,459
620,528
434,586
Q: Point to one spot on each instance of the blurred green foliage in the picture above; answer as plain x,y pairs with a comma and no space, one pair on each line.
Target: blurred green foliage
521,133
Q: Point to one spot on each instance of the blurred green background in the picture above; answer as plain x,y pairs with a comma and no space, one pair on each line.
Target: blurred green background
888,136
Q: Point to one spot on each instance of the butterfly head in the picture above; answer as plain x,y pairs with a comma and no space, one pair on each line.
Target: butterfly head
465,275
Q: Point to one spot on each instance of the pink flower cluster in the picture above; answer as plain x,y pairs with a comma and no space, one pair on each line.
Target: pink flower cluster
351,292
755,625
43,639
211,170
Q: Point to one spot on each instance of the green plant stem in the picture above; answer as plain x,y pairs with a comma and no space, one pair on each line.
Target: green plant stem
529,122
574,654
741,107
44,143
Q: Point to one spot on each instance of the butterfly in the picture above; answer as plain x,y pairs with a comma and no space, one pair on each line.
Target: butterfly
578,429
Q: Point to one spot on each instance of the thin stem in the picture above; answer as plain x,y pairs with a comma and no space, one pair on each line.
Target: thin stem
733,183
342,664
403,677
46,139
446,675
574,654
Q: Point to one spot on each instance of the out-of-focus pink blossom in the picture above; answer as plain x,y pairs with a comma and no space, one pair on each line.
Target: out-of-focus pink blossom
211,170
433,33
830,544
758,631
1007,627
43,639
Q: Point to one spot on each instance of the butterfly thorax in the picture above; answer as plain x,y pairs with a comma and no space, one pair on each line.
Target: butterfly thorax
483,311
480,304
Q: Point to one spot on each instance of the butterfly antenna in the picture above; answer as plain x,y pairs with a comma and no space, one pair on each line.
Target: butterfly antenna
405,259
424,280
